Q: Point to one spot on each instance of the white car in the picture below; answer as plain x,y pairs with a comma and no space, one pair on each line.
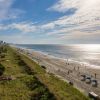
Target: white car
88,80
94,83
93,96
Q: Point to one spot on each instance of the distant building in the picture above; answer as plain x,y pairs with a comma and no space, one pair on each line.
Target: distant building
2,42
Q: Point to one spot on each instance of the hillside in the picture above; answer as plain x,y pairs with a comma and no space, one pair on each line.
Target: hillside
23,79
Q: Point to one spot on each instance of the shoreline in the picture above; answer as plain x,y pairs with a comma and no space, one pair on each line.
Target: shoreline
69,60
59,68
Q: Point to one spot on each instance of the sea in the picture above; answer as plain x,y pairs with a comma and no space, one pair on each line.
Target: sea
84,53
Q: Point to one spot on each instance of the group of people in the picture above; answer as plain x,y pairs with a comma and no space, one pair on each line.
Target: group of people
77,69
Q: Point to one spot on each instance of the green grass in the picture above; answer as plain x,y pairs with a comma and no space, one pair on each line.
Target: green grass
14,89
32,82
24,79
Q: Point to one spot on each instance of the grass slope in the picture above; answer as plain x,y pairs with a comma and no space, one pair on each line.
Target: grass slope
31,82
25,85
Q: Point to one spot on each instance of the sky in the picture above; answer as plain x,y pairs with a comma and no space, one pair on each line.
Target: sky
50,21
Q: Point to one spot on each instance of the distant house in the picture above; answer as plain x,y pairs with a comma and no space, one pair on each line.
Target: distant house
2,42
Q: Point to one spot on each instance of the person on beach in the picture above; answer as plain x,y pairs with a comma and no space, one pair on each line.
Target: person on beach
78,68
68,72
78,73
95,75
74,68
67,62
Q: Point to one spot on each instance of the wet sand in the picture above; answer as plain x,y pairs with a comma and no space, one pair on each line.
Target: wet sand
67,70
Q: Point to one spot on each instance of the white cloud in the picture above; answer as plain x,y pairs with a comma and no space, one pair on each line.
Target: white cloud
48,26
86,10
6,10
82,23
64,5
24,27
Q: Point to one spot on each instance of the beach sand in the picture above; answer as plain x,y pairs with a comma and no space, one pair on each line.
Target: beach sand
67,70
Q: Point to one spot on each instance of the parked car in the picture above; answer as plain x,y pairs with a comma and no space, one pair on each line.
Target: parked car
94,83
83,77
88,80
93,96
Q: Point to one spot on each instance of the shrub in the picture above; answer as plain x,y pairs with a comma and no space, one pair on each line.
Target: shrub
25,67
2,56
41,91
2,69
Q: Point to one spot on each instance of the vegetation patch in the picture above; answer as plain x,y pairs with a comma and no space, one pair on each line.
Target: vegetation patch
31,81
2,69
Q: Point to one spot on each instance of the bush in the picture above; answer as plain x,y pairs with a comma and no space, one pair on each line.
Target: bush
25,67
2,69
3,49
34,83
2,56
41,92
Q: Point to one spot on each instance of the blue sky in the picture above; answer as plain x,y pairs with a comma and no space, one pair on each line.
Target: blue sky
50,21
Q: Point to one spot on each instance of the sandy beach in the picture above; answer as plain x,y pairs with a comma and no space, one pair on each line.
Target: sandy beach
67,70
